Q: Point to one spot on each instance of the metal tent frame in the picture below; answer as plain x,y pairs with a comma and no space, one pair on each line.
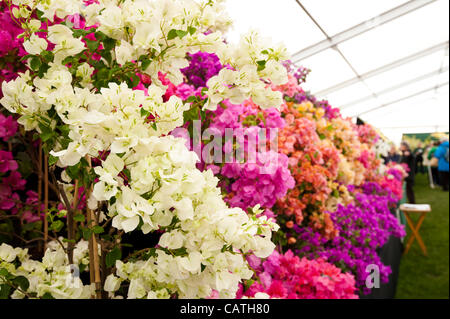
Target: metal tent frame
332,42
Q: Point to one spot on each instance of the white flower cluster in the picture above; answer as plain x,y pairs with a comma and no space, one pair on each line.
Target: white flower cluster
190,203
53,275
382,148
144,26
252,60
165,190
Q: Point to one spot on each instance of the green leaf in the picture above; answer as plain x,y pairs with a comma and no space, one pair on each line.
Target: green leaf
107,56
134,80
144,112
79,218
103,73
46,136
261,65
192,30
82,267
87,233
64,129
47,56
127,173
25,165
145,64
57,225
192,99
181,34
98,229
22,282
35,63
80,33
92,45
180,252
172,34
106,237
191,114
67,60
43,69
5,273
113,256
39,14
100,35
109,44
47,295
52,160
25,57
73,171
4,291
28,227
151,253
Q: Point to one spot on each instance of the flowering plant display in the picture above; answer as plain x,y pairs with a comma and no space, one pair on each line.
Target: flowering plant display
343,194
363,227
258,174
140,118
77,94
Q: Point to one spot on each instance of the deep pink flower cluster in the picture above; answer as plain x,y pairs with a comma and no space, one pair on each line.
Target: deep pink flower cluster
7,162
262,176
9,32
266,177
261,183
11,183
10,48
8,127
289,277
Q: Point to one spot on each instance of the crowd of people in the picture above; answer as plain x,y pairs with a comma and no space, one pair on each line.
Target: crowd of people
432,159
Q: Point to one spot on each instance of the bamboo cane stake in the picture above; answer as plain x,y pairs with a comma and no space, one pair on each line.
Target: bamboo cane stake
92,222
39,172
71,224
45,200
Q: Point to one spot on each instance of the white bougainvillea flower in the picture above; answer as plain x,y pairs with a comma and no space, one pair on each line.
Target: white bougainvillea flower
35,45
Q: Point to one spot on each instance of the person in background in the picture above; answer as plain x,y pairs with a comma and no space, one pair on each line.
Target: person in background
408,158
434,168
442,154
418,153
393,156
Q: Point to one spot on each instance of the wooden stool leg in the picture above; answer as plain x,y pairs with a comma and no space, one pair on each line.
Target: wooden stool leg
419,238
415,234
412,238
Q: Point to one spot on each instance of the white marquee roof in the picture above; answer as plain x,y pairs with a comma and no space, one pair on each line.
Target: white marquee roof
385,61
